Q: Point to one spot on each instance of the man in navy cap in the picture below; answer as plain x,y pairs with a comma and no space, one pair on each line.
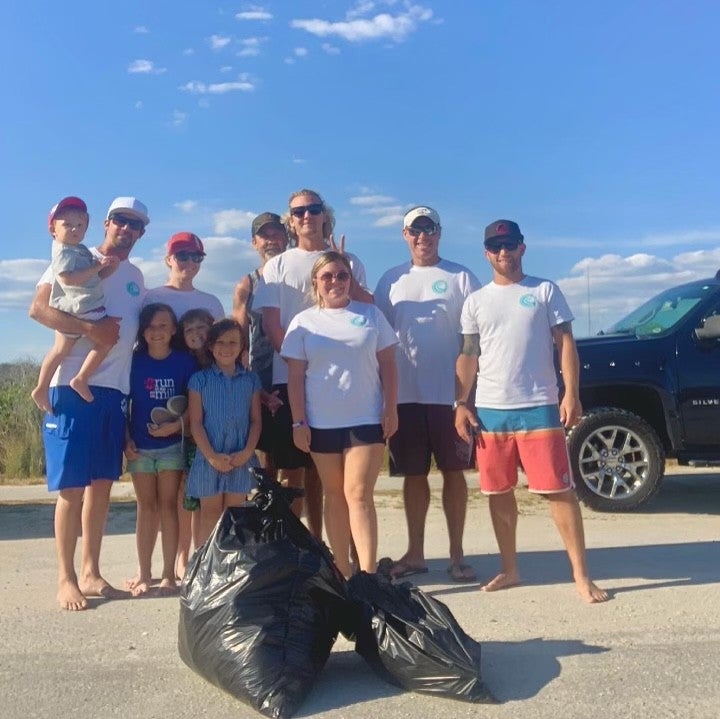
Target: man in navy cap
511,328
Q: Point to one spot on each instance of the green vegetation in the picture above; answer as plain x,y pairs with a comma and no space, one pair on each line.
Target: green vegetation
21,449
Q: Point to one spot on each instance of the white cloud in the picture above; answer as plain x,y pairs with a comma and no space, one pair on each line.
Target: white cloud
615,284
330,49
217,88
141,30
380,27
254,13
188,51
250,46
363,7
289,60
298,161
186,206
366,200
384,207
145,67
300,51
226,68
229,220
18,279
218,42
178,118
139,105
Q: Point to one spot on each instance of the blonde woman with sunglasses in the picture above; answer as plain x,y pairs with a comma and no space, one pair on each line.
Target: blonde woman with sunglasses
342,386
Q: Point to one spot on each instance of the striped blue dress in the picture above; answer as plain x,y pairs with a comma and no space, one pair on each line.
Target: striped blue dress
226,417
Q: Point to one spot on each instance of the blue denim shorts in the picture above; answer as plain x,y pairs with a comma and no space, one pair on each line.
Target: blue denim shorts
152,461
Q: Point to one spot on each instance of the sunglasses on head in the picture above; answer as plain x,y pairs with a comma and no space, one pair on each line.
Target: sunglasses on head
342,276
496,245
184,256
131,222
315,209
429,230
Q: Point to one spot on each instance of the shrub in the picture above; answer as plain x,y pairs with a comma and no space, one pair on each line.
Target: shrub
21,448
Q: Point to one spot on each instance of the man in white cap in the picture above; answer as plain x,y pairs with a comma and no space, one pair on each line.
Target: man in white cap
422,299
84,440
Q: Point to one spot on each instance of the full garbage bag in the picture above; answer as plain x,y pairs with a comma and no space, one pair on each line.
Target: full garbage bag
413,641
261,604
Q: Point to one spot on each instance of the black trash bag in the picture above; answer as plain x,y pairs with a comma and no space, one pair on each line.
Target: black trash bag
261,604
413,641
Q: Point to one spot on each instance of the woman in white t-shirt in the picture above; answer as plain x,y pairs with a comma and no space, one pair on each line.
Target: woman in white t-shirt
342,387
184,255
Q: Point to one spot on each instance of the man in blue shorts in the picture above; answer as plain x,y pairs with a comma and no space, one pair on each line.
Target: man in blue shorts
422,299
510,329
84,440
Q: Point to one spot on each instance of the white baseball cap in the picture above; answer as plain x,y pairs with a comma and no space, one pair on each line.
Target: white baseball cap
421,211
129,206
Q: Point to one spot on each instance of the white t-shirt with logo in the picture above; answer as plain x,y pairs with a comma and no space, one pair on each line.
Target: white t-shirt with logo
124,292
183,300
516,366
287,286
423,304
342,381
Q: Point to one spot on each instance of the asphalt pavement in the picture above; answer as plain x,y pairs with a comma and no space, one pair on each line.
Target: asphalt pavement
653,650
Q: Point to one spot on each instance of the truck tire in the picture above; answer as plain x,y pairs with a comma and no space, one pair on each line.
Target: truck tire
617,459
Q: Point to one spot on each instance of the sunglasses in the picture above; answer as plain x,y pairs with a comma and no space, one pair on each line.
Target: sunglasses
315,209
132,223
495,247
341,276
196,257
429,230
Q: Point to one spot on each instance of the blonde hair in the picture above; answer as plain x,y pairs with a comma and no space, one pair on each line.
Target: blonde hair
328,223
325,259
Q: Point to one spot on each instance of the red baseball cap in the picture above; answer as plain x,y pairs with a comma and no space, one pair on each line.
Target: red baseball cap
184,242
67,202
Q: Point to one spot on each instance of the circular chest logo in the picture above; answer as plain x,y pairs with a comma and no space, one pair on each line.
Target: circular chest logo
359,321
133,289
528,301
439,287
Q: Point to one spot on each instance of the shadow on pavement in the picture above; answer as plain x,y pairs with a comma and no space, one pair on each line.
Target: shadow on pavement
35,521
660,565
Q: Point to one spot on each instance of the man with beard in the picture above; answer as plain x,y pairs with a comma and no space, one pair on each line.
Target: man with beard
269,238
84,440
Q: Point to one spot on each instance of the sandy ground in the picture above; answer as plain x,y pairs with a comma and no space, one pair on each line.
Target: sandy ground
653,650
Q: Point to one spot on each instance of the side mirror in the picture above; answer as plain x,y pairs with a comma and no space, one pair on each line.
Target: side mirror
710,329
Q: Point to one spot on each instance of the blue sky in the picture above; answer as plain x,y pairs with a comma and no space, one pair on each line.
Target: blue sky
593,125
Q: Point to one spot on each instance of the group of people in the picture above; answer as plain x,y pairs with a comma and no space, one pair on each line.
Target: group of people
312,377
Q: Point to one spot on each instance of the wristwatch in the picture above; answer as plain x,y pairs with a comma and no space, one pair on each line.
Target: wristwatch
299,423
459,403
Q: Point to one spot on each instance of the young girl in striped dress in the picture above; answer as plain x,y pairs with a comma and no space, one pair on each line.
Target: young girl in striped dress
224,409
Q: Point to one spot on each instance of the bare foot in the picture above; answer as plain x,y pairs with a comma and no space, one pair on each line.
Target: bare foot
70,597
130,584
42,400
590,592
82,388
141,588
166,588
99,587
180,568
504,580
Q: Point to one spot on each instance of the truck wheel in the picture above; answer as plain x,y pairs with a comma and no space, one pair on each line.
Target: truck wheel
617,459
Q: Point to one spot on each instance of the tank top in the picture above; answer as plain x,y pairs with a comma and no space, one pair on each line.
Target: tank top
261,349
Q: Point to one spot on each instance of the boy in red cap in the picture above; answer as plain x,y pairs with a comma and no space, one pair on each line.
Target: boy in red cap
76,290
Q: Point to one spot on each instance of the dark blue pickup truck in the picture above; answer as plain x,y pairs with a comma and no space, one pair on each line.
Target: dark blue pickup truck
650,389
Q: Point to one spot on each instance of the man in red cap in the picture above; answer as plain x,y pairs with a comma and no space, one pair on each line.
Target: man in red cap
84,440
77,289
513,326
